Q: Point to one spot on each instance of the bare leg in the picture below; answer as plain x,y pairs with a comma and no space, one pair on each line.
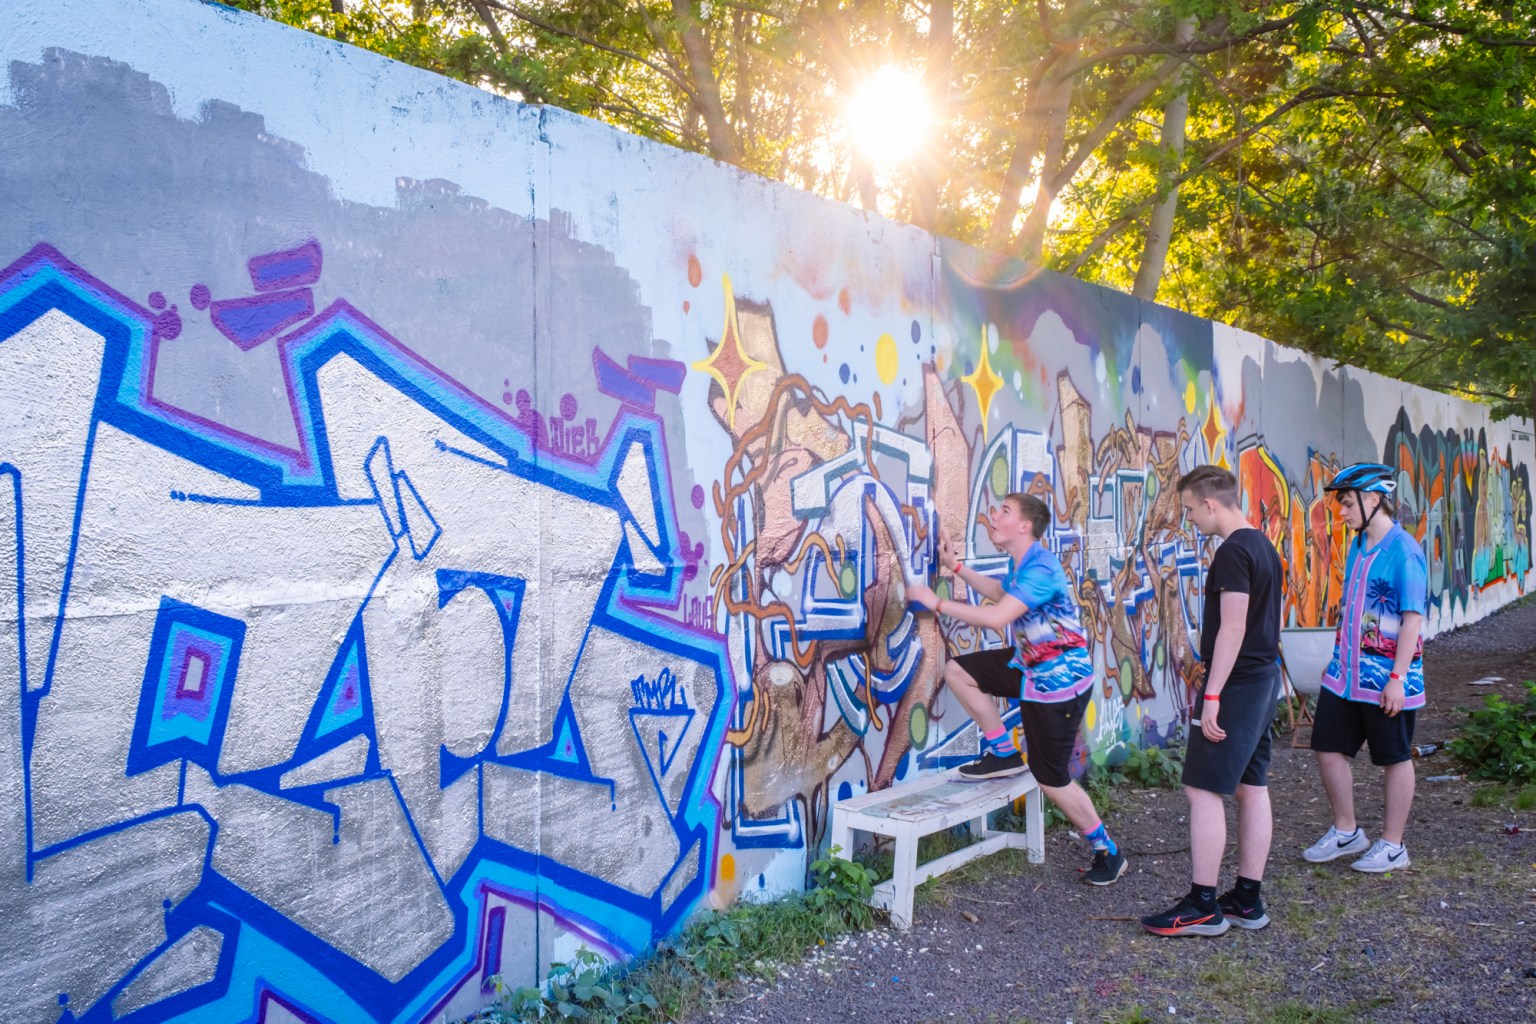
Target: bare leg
1399,783
1255,830
982,707
1207,835
1076,804
1339,784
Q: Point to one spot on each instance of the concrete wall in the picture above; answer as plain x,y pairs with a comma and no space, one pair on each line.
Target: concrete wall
438,534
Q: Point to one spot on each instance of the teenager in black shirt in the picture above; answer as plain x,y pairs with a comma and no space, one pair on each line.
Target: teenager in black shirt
1229,729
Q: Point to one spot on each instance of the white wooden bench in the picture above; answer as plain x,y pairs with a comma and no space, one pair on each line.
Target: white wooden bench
915,809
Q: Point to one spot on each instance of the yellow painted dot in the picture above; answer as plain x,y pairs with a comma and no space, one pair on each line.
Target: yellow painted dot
1091,715
727,868
1189,396
886,360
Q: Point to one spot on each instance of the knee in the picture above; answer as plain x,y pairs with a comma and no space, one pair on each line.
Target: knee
956,677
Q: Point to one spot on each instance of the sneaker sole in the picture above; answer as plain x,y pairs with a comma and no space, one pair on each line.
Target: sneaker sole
1307,855
1193,929
1005,773
1252,926
1124,867
1384,868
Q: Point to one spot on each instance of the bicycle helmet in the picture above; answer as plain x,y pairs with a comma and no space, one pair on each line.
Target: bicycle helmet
1362,478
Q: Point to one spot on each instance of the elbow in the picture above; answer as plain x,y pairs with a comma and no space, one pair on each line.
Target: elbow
994,619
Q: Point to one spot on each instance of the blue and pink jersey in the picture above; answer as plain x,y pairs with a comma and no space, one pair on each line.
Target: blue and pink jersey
1049,646
1381,585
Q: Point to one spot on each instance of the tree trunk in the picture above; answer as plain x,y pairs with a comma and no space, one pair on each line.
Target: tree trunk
1021,162
930,157
723,142
1031,243
1154,253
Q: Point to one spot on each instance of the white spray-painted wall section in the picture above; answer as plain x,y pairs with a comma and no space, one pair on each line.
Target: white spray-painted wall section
438,534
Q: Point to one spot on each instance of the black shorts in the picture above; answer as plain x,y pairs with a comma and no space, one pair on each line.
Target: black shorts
1342,726
1247,709
1050,730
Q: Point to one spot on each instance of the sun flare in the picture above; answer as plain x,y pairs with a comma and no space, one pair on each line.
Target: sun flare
889,116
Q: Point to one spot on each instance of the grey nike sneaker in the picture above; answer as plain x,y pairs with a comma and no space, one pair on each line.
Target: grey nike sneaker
1336,844
1382,858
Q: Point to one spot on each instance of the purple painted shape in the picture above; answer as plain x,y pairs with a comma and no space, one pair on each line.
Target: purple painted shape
249,322
179,700
346,698
494,931
665,374
268,1002
167,325
286,268
616,382
184,686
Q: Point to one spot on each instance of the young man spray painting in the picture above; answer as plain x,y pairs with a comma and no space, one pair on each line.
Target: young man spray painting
1047,670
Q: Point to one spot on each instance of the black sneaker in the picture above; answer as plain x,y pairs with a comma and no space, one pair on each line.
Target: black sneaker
1186,919
990,766
1253,918
1106,869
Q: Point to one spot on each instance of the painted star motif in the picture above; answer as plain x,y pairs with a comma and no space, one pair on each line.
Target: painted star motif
1213,433
729,363
985,383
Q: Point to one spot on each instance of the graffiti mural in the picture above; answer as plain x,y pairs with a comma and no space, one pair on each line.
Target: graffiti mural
472,693
438,535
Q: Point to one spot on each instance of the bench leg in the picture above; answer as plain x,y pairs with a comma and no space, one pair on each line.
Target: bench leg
904,881
1034,825
842,839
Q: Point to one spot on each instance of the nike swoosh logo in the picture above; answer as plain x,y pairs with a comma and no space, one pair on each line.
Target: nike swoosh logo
1395,856
1180,922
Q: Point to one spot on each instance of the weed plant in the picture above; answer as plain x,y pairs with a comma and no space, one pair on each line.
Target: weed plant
749,940
1497,743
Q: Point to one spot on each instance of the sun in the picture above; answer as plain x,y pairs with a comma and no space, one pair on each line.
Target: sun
888,116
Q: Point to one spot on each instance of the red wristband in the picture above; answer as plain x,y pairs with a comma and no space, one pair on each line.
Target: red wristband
1209,697
1394,675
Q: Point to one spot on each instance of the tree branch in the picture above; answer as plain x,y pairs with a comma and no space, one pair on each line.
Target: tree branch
585,40
1311,94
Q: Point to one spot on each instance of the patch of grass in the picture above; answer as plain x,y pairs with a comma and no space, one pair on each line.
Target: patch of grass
1134,1015
1291,1012
750,940
1514,798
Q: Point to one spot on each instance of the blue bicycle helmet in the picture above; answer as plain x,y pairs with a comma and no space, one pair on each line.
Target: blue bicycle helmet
1364,476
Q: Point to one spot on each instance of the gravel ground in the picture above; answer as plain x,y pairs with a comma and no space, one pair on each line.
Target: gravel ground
1451,939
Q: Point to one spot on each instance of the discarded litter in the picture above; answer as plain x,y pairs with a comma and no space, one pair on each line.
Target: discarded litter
1444,778
1425,749
1486,681
1511,829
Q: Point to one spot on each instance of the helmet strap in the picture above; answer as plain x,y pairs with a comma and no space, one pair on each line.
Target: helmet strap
1365,520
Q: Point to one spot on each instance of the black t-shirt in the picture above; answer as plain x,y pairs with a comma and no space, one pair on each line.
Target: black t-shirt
1245,563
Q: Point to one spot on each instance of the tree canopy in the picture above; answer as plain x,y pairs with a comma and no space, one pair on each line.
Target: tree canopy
1350,177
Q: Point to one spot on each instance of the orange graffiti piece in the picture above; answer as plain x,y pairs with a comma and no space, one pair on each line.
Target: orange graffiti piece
728,868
